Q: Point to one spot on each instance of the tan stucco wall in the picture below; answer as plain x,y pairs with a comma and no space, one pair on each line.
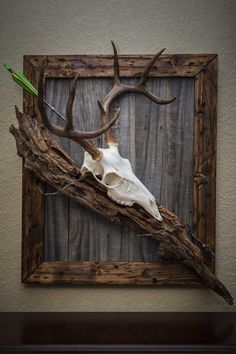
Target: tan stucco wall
137,26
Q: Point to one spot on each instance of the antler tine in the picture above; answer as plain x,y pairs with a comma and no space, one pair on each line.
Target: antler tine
148,68
69,115
116,66
68,131
120,89
141,84
110,135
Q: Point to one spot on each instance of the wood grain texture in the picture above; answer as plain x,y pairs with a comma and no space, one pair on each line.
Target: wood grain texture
32,198
158,141
91,237
56,206
183,65
113,273
204,192
164,145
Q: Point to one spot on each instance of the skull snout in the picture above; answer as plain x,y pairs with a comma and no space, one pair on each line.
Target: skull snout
116,174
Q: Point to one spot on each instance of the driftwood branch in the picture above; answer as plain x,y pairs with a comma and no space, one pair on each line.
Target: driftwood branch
48,161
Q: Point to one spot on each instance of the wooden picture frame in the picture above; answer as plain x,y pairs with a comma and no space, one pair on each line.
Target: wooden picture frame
203,69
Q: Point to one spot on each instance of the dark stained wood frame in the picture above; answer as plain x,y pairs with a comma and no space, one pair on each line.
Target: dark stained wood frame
201,67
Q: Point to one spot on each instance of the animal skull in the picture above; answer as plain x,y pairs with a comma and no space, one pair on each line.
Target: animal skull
116,174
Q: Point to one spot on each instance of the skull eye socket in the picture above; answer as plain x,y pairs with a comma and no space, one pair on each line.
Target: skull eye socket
112,179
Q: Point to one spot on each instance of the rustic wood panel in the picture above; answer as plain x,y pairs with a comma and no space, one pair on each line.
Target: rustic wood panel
56,206
32,199
164,145
183,65
158,140
91,237
205,153
137,248
113,273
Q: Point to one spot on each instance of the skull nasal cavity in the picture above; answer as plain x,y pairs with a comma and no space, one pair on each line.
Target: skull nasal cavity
111,179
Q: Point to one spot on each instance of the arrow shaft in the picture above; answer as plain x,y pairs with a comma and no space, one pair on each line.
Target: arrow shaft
54,110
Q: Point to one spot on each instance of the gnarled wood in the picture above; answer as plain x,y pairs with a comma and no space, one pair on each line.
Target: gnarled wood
45,158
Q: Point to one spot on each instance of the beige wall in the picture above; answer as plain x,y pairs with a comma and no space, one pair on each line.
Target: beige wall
136,26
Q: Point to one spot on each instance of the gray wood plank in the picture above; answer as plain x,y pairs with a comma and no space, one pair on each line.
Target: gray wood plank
134,247
56,206
158,140
90,237
164,145
126,133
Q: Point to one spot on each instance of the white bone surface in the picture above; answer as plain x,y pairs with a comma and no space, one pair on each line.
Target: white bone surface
116,174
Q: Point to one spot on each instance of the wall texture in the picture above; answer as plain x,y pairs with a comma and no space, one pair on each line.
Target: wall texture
136,26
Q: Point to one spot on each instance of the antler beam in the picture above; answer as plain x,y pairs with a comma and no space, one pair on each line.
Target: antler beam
69,131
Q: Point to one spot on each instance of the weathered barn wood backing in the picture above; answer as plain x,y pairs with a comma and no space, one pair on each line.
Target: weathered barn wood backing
57,209
203,68
158,141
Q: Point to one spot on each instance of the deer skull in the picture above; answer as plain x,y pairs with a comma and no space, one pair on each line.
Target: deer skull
116,174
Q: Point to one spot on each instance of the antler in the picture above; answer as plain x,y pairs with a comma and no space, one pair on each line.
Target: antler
119,89
68,131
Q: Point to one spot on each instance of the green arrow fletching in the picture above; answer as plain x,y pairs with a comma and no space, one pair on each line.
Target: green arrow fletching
21,80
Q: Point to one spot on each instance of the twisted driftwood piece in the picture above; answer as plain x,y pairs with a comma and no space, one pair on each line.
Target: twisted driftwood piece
48,161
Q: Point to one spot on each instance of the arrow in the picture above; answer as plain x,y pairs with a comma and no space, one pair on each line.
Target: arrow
22,81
